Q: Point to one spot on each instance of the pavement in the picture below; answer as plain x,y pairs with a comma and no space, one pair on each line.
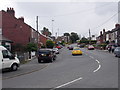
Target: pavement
27,68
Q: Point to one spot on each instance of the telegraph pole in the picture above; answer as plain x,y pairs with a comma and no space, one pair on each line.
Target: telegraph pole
37,30
58,32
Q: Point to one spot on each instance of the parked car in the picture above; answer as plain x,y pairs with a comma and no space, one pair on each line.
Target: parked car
91,47
56,50
59,47
8,60
70,47
117,51
46,55
76,51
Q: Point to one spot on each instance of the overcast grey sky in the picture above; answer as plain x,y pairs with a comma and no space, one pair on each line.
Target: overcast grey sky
68,16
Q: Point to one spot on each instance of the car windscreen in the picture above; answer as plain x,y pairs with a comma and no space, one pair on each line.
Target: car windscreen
118,49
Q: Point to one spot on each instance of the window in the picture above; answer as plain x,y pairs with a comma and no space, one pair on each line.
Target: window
6,54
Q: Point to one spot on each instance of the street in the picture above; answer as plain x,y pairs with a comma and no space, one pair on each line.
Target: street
93,69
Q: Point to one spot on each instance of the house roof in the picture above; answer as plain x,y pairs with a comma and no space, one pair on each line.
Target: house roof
46,36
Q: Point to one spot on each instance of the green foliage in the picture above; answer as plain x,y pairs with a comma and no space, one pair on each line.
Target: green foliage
31,47
49,44
66,34
74,37
84,39
46,31
43,46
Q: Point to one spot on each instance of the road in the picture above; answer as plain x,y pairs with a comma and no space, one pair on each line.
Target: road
93,69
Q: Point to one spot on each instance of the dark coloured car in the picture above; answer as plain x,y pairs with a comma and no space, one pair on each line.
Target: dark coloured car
46,55
70,47
117,51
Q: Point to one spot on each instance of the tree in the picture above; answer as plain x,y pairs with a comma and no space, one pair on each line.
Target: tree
46,31
74,37
31,47
49,44
84,39
67,35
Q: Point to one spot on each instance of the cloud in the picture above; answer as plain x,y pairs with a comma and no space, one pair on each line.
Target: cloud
68,16
106,8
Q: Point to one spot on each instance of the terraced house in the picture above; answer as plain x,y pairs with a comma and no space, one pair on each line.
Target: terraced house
111,36
16,30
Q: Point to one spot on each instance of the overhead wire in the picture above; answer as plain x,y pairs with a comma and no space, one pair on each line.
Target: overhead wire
78,12
106,21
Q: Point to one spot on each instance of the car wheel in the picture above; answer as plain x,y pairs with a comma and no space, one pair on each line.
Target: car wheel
14,67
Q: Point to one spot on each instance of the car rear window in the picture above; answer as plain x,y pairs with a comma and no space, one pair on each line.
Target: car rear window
44,52
76,49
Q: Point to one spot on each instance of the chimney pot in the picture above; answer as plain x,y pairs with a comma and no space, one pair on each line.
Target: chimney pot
11,11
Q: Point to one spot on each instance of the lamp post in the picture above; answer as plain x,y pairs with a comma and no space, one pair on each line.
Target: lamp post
52,26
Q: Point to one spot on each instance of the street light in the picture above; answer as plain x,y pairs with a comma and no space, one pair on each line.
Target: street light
52,26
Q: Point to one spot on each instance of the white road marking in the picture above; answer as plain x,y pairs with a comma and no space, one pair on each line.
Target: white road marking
91,57
68,83
98,66
97,61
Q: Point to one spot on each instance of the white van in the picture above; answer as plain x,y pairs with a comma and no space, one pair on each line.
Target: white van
7,60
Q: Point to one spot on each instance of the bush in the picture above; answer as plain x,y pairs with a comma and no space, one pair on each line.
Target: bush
31,47
102,46
49,44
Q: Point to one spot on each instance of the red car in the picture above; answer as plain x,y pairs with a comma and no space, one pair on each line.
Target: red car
91,47
58,47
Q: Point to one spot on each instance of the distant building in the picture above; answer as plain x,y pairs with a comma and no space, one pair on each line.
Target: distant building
111,36
43,39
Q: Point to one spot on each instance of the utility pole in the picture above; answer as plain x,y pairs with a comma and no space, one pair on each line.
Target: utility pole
37,30
58,32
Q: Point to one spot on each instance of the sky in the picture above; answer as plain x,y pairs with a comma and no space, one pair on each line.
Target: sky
68,15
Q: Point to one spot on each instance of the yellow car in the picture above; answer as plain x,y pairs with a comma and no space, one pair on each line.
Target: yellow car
76,51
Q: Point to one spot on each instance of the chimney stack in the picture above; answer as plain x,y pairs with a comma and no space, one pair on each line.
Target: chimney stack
103,31
21,19
100,33
11,11
117,25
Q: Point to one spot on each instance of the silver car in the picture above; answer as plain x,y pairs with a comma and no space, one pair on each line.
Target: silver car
56,50
117,51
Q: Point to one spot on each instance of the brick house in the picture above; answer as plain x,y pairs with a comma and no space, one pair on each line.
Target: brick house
16,30
100,38
43,39
111,36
